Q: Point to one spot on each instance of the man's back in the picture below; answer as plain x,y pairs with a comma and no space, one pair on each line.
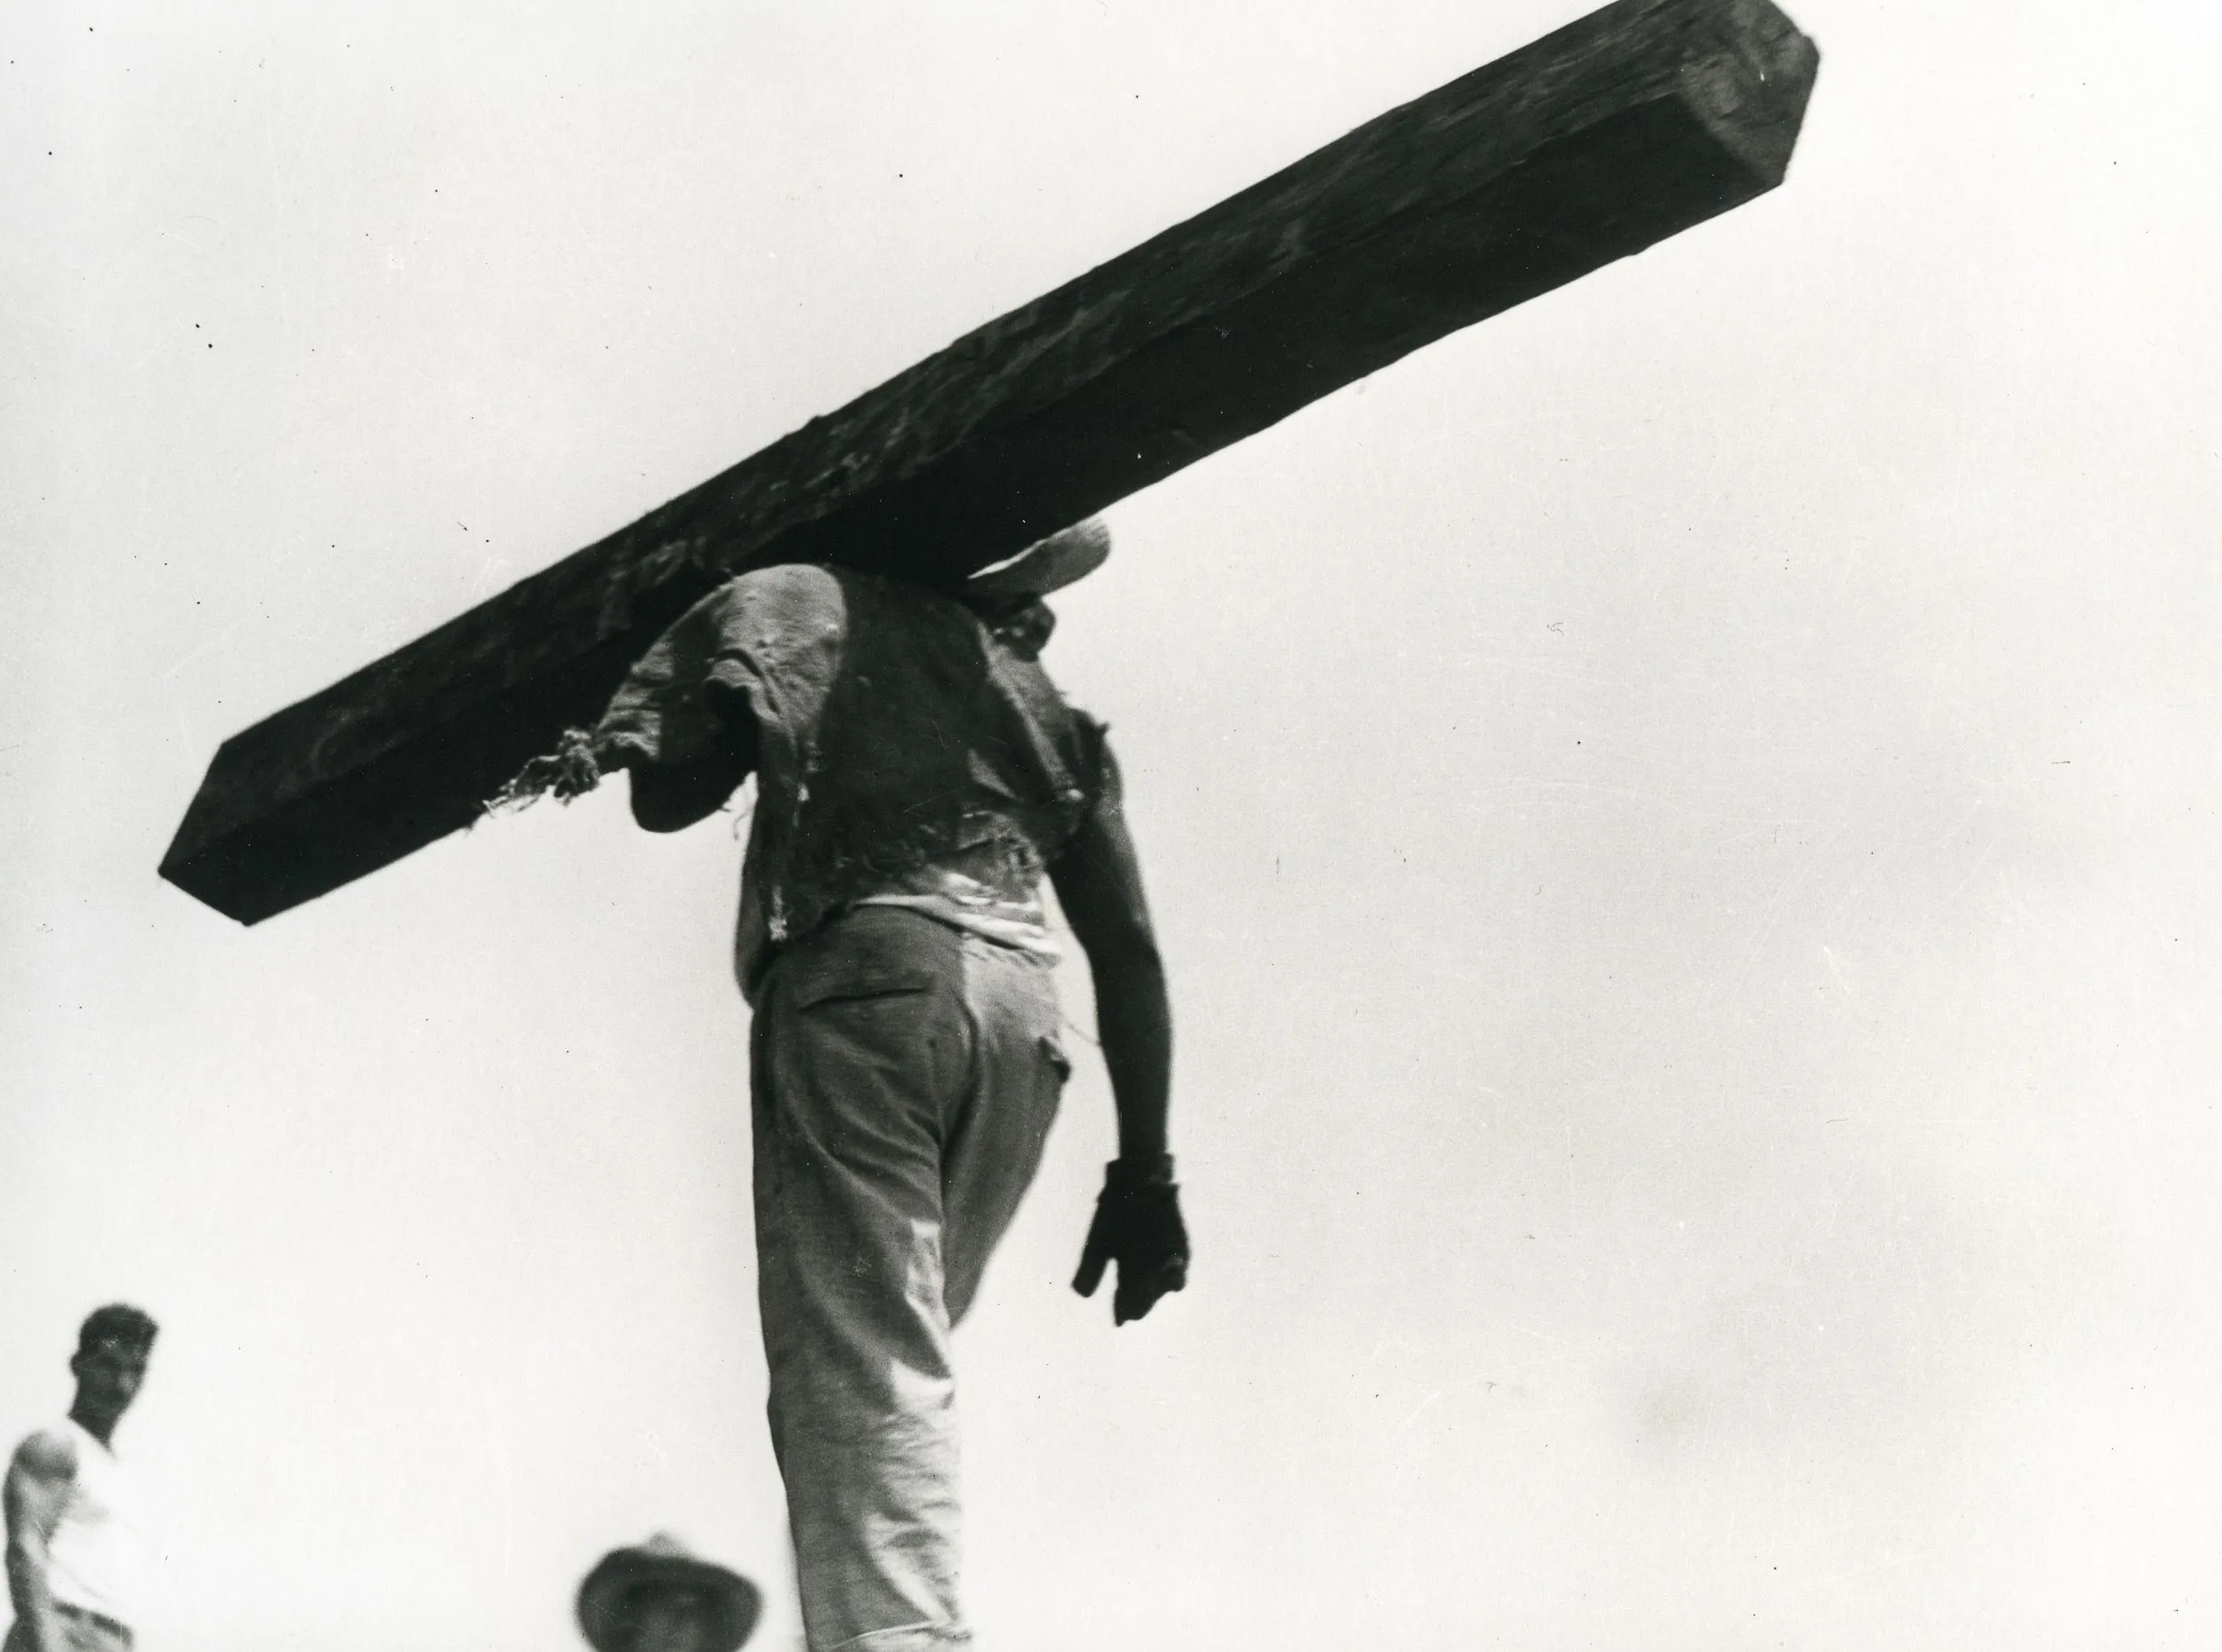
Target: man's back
896,738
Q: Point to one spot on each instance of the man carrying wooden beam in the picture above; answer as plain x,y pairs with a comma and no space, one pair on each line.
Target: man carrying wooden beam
1605,137
918,775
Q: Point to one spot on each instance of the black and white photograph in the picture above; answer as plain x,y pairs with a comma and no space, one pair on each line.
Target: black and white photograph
1105,825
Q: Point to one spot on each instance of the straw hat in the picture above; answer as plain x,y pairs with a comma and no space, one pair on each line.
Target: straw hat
663,1561
1045,565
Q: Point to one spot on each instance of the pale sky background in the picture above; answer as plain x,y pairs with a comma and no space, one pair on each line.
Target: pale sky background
1684,821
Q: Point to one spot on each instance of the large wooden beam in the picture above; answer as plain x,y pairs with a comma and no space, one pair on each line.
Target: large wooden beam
1640,120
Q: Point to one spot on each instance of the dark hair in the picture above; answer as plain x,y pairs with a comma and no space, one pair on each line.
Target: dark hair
117,1322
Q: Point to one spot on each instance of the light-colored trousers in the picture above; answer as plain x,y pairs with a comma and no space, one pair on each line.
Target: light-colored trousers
905,1075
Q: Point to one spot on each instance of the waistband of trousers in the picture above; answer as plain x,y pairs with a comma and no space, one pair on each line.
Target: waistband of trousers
98,1620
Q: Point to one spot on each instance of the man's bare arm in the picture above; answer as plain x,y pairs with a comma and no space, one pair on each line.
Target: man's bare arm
1138,1223
37,1488
1099,882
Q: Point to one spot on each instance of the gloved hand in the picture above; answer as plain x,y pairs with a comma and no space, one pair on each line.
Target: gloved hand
1138,1225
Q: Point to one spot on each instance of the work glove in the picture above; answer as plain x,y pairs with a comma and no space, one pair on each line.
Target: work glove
1138,1225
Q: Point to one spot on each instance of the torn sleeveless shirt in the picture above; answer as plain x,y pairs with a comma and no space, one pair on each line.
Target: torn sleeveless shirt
899,740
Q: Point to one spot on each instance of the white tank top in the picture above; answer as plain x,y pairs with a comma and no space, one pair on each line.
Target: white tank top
96,1556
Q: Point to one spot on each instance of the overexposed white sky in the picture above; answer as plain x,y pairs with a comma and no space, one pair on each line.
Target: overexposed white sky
1684,820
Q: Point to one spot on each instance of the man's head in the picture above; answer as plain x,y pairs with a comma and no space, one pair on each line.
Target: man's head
1008,595
671,1617
656,1597
110,1364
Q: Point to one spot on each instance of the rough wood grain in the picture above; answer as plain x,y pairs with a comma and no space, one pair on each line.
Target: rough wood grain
1591,144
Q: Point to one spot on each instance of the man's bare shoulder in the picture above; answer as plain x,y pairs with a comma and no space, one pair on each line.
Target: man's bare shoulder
48,1456
37,1487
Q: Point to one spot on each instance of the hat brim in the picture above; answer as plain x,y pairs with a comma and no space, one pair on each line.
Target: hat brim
1047,564
603,1596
